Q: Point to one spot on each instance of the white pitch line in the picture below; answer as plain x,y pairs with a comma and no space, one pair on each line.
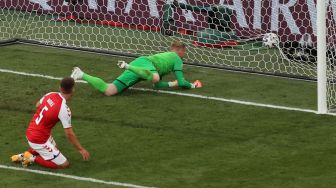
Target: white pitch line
181,94
228,100
35,75
79,178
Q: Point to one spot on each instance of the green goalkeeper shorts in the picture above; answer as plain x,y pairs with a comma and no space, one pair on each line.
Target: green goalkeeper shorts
128,78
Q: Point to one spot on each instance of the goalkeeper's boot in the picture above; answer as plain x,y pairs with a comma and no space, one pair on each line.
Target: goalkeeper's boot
197,84
77,73
17,158
122,65
28,159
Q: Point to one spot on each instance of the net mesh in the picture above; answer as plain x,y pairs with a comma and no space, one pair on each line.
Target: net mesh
331,56
223,33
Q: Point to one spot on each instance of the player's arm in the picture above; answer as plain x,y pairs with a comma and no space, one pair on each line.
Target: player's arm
65,118
163,84
38,104
178,69
75,142
181,82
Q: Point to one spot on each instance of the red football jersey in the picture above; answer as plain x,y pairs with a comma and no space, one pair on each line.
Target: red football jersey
53,109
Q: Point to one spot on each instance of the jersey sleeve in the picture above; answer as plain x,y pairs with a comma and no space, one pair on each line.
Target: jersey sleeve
41,100
65,116
181,81
178,66
178,69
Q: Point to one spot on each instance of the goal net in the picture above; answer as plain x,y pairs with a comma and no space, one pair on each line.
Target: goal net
229,34
331,56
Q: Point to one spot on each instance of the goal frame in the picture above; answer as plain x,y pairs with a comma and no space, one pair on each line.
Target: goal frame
322,107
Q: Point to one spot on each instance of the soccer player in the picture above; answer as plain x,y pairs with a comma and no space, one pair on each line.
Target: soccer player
51,109
151,68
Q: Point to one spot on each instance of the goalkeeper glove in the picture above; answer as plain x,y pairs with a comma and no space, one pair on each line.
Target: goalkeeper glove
196,84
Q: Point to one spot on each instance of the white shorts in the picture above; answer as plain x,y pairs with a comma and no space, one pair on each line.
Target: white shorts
48,151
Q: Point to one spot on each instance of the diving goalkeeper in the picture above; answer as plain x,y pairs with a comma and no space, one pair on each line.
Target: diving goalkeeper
151,68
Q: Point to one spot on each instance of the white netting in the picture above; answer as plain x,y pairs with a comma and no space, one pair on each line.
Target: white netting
223,33
331,56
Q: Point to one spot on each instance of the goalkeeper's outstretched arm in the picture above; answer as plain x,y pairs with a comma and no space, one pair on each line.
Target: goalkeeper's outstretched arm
180,82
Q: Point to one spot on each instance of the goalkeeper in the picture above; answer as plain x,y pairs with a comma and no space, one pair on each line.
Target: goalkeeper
151,68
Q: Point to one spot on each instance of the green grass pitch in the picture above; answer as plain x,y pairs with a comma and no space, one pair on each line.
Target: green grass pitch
170,141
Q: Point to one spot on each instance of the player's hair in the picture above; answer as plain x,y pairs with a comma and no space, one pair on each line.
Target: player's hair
177,44
67,84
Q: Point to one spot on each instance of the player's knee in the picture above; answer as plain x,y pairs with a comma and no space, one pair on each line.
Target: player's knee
66,164
111,90
156,78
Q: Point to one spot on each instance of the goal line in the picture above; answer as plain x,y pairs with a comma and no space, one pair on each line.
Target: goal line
220,99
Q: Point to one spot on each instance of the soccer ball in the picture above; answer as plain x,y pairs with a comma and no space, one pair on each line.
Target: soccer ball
270,40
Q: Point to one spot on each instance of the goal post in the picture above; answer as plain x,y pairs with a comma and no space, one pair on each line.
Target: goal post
288,38
322,107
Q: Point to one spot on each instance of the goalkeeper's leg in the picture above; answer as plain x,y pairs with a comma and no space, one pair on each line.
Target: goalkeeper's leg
101,85
143,68
124,81
97,83
152,76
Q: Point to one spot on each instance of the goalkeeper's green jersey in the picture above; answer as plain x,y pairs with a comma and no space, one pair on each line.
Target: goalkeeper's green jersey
166,62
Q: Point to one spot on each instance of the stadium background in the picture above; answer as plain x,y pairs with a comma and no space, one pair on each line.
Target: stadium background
176,141
296,17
